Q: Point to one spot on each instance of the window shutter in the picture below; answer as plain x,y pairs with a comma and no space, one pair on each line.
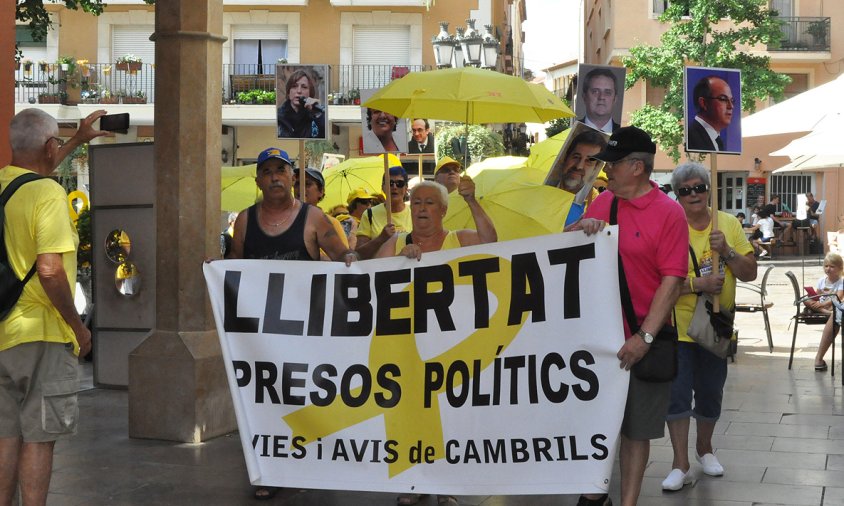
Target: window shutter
381,45
132,39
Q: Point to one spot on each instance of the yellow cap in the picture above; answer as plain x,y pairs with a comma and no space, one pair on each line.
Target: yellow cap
447,160
360,193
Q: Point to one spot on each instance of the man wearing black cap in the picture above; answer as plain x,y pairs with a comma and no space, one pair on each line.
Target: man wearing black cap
314,193
653,246
281,227
374,229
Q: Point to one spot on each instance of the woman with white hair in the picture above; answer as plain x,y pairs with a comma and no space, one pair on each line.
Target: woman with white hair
701,374
428,207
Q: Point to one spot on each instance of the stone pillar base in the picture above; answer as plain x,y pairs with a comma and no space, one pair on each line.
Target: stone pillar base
178,389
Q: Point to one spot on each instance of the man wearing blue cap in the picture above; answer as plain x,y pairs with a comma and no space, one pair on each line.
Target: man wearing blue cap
374,230
280,227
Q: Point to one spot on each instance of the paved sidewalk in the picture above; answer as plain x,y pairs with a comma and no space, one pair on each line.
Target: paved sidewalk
780,439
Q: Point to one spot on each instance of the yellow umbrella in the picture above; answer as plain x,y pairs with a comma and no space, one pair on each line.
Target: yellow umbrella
514,198
543,154
238,188
351,174
470,95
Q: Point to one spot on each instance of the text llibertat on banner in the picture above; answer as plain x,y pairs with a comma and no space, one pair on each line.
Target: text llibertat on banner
483,370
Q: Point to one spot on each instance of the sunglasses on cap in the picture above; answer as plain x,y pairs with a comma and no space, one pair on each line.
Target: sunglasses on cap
398,183
685,191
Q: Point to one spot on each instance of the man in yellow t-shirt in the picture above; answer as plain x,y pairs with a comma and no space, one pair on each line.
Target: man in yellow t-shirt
42,335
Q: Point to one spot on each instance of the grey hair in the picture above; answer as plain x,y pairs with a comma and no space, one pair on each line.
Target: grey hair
441,190
686,171
647,160
30,129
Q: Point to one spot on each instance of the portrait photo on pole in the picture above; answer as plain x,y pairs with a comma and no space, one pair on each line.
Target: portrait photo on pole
713,110
600,96
382,132
421,137
330,160
574,169
301,110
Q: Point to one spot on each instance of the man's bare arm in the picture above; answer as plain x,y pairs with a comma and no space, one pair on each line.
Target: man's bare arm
53,279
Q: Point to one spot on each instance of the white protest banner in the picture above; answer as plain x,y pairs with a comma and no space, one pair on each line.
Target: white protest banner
483,370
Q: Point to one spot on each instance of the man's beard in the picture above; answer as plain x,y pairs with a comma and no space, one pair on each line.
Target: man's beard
572,184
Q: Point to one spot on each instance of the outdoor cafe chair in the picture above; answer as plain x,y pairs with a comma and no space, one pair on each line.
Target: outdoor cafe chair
805,316
763,305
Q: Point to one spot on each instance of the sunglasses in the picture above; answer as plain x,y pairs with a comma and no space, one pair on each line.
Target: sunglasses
398,184
685,191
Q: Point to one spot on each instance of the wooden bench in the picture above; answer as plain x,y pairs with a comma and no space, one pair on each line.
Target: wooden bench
245,82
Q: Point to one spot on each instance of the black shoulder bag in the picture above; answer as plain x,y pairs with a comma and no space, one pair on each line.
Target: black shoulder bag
660,362
10,286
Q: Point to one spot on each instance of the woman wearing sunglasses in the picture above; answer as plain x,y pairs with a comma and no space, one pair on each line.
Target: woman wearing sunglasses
374,230
700,373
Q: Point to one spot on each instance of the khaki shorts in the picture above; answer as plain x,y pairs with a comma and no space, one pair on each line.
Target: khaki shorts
38,385
644,413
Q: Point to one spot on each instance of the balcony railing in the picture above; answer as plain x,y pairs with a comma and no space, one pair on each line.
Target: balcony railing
239,80
804,34
104,83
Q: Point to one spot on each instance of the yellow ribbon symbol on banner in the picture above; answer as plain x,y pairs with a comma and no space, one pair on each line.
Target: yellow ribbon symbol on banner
410,421
76,194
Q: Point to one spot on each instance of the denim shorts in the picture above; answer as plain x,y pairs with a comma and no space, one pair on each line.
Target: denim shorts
38,386
702,373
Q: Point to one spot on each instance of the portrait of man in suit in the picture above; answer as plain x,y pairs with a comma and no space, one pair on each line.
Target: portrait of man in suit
423,138
600,97
713,116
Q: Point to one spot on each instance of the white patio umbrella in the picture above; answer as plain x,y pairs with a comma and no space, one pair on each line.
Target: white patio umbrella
821,149
801,113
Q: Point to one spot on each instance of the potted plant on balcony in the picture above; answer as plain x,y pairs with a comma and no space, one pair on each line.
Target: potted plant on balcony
49,98
27,65
354,96
106,97
67,64
138,97
42,65
819,30
129,62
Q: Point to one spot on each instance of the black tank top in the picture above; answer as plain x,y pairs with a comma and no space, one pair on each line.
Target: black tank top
289,245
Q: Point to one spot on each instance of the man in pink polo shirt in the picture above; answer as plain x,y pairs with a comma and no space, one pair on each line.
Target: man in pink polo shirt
653,244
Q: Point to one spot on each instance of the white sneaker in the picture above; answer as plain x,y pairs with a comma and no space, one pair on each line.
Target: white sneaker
676,480
710,464
762,253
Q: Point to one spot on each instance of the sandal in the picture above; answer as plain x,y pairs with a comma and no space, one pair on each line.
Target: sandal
447,500
408,499
265,493
820,367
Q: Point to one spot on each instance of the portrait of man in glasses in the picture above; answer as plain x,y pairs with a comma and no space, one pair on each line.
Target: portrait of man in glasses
713,119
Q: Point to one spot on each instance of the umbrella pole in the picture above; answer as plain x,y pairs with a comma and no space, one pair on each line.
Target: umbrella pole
302,175
466,139
386,187
713,197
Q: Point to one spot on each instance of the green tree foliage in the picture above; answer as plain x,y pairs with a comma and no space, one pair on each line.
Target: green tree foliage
483,142
556,126
707,33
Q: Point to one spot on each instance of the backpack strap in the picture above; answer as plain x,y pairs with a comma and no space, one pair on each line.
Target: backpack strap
8,191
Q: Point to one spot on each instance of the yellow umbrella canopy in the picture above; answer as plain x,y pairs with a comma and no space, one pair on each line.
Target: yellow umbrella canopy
469,95
238,188
515,199
353,173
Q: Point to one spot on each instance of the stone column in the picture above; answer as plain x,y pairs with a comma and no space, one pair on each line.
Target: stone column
177,383
7,84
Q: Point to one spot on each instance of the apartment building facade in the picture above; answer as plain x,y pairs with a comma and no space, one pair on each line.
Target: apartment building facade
810,58
366,43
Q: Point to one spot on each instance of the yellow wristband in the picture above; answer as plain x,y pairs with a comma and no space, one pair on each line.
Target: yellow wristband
692,284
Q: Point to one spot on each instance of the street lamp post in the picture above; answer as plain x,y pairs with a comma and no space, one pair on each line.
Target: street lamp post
468,47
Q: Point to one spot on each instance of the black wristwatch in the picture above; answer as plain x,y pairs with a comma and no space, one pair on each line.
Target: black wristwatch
732,254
